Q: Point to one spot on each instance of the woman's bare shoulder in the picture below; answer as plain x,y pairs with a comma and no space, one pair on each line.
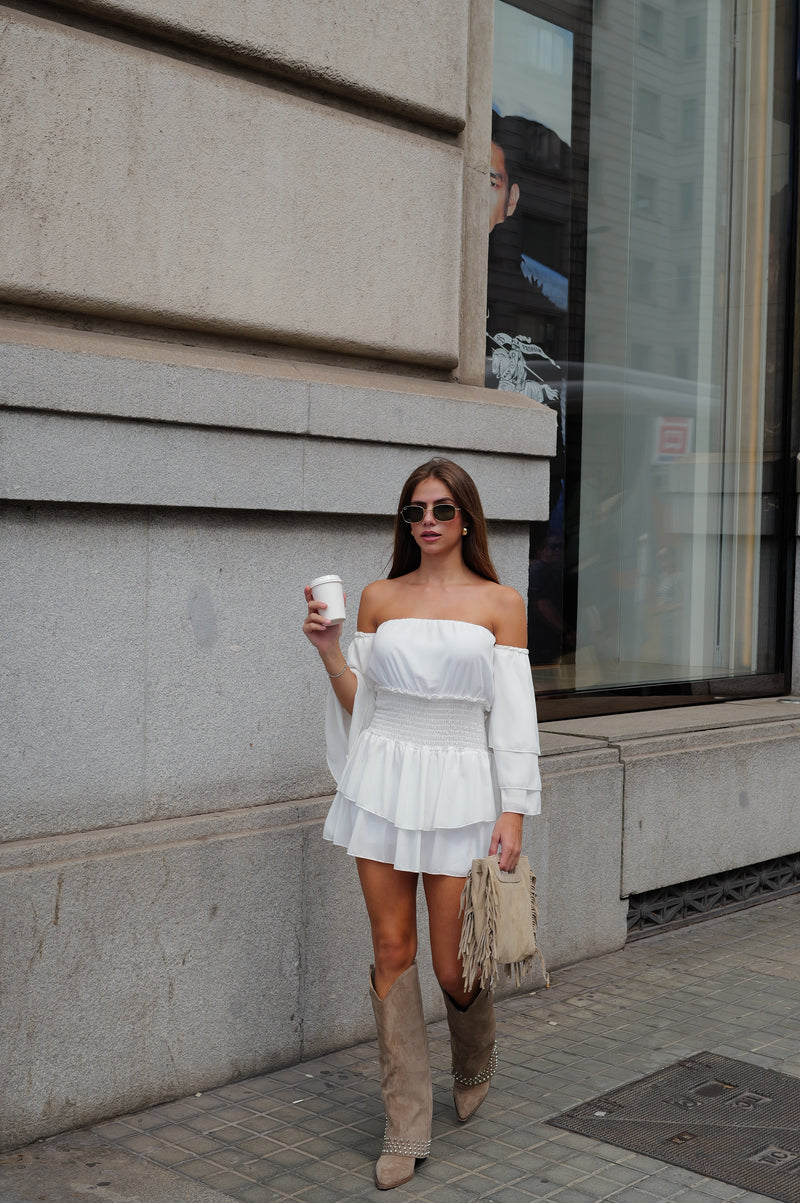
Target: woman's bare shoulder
507,596
503,597
510,622
374,598
378,591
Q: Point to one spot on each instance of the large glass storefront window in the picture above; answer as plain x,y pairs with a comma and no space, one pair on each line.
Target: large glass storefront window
661,347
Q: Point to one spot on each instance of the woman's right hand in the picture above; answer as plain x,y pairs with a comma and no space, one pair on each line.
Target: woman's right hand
323,634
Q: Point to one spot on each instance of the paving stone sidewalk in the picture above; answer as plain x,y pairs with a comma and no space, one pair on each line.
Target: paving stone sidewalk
730,985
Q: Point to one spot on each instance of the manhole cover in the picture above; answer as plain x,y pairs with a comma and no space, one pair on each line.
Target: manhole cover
721,1118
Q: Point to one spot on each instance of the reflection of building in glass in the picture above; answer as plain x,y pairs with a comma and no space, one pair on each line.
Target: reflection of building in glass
672,259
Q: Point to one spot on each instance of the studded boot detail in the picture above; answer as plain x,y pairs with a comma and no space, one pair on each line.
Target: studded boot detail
474,1051
405,1079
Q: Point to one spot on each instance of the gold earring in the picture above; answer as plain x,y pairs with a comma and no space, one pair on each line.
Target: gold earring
464,530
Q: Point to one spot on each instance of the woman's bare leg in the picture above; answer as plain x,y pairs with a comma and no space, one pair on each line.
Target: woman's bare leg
391,898
443,895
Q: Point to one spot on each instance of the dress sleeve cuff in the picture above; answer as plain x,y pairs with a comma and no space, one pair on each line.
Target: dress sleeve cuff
521,801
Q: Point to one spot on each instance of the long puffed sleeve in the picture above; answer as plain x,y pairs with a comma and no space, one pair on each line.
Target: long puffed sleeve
341,728
513,733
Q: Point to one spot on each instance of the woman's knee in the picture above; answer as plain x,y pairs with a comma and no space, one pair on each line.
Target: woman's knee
394,952
451,979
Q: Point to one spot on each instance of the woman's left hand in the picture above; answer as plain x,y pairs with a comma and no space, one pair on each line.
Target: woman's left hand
507,838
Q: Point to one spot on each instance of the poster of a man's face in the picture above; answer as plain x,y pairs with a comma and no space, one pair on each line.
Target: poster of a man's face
504,194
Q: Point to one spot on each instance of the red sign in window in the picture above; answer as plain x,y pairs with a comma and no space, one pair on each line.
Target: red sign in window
674,436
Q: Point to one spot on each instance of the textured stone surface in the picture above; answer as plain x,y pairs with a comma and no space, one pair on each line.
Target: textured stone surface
142,973
707,788
508,543
411,58
574,849
358,405
355,477
47,368
139,179
72,371
475,143
710,805
52,457
155,664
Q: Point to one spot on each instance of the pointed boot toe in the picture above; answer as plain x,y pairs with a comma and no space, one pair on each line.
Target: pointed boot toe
392,1169
467,1099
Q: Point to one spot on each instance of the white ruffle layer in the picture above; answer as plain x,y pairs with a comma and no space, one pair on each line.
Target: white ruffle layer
419,789
449,851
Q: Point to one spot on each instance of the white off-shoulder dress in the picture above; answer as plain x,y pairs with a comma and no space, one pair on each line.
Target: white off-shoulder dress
442,738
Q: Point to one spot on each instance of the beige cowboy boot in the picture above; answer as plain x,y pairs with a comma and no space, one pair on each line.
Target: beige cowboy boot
405,1079
473,1049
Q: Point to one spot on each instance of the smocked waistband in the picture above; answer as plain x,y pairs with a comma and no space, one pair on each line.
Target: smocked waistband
429,722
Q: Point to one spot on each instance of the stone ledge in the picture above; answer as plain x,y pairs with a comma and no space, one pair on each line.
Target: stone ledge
107,461
156,834
136,838
708,740
678,721
554,743
66,371
567,754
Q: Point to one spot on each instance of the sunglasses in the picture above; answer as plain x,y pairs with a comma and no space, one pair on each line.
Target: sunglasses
443,511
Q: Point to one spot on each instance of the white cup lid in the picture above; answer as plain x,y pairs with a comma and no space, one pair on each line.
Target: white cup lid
325,580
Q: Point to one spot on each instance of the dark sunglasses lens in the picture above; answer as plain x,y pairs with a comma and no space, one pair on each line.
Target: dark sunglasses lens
445,511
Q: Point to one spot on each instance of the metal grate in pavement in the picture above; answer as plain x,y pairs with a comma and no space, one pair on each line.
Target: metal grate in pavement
721,1118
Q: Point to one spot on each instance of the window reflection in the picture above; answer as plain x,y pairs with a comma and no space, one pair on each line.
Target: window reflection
673,544
659,560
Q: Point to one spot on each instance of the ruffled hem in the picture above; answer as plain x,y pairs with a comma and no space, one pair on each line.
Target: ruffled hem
419,788
448,852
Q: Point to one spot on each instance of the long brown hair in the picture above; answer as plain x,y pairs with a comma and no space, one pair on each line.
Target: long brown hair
474,545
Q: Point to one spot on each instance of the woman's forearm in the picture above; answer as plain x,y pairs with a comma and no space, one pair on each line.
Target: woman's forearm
344,683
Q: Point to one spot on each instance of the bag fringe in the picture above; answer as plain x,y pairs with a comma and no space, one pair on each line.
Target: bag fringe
478,952
467,948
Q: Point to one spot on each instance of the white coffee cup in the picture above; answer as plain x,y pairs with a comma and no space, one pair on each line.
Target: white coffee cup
329,589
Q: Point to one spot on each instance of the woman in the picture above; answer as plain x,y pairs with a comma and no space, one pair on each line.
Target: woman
431,731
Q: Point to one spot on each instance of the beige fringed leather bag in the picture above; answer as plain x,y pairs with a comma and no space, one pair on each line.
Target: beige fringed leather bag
500,916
